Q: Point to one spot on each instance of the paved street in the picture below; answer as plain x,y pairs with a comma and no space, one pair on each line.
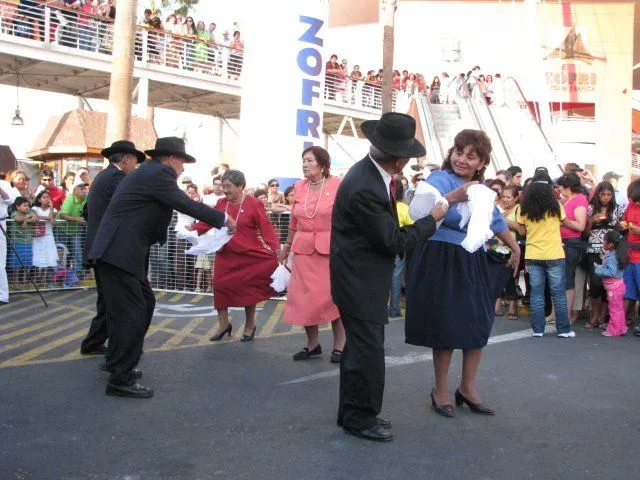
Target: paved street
566,408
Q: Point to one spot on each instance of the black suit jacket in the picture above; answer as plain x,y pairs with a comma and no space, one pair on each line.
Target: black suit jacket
100,195
139,214
365,239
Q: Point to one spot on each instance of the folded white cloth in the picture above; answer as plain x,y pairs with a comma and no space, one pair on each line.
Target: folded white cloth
478,213
280,277
210,242
424,199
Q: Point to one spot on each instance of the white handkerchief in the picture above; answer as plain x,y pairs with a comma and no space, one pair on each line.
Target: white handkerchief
481,205
424,199
280,277
210,242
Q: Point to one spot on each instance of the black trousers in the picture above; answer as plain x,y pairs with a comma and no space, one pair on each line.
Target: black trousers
361,373
130,304
97,334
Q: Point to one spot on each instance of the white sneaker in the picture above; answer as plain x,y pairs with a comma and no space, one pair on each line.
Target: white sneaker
567,334
540,334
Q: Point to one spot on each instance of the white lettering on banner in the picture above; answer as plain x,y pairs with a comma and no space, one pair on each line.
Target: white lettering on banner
310,65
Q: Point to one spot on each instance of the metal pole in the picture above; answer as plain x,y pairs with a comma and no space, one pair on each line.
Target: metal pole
124,33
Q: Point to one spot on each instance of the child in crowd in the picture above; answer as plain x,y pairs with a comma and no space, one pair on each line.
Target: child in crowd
631,220
63,274
614,261
44,245
21,237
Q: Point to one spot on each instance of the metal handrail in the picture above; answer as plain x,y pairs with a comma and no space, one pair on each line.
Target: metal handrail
424,108
524,99
483,101
468,98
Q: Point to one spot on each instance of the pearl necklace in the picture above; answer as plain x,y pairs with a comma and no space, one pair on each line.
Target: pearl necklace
316,183
315,211
239,210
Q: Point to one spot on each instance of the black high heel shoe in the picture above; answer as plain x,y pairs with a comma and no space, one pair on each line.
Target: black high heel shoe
248,338
219,336
474,407
444,410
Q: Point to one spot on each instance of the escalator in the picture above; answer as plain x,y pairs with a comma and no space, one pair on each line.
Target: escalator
516,136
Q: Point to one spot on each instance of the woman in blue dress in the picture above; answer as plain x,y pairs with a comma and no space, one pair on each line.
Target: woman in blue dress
449,290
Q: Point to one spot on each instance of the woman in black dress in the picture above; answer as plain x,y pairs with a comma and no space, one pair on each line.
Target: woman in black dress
449,290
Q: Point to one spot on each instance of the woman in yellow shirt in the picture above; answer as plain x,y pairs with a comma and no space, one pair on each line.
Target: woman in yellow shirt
541,214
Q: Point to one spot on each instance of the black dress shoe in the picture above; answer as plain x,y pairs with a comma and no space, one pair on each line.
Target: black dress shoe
306,353
444,410
131,391
381,422
474,407
98,350
375,434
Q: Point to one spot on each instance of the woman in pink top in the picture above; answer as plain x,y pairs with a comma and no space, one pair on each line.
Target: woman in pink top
309,301
575,207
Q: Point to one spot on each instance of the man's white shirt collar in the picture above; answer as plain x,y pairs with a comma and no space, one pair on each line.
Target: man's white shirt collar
386,178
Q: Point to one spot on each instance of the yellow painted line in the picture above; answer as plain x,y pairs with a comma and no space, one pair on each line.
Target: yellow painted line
177,297
183,333
24,320
42,335
197,298
268,327
159,327
325,328
160,294
295,329
36,352
38,326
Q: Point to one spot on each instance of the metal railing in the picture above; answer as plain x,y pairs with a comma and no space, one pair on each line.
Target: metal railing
51,254
54,256
64,30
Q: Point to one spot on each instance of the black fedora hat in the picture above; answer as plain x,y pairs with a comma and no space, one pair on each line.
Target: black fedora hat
170,146
123,146
394,134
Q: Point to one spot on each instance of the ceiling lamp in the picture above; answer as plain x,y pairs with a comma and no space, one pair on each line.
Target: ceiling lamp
17,119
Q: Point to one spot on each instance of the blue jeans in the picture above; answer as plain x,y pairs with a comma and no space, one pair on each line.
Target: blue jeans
396,286
554,272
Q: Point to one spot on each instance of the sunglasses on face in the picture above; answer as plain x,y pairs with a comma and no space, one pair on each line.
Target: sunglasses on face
274,185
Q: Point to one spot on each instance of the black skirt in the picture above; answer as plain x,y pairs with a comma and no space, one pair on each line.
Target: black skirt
449,297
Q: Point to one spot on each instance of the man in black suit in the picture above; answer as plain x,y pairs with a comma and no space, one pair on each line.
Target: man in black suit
365,239
123,158
136,218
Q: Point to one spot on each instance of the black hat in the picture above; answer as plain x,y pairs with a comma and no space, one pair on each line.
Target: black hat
394,134
170,146
123,146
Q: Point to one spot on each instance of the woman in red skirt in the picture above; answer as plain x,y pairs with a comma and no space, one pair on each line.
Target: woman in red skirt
242,275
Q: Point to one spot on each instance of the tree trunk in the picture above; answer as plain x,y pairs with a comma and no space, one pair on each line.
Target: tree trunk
119,119
388,17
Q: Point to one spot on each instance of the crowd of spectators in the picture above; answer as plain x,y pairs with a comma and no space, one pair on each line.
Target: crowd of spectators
180,41
589,211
